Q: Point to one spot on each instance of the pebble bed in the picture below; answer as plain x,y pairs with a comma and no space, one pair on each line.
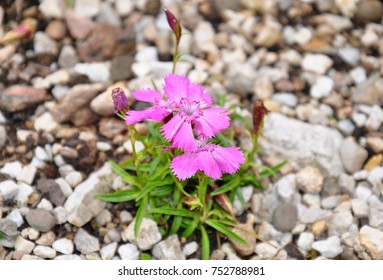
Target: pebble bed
316,64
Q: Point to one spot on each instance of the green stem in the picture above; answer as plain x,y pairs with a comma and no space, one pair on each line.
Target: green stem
133,134
202,189
175,57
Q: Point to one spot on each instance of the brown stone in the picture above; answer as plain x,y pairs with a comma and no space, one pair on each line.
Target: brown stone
110,127
79,26
369,11
106,42
84,116
56,29
17,98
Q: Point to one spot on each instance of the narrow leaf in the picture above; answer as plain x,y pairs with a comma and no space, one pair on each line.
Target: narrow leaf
173,212
140,216
191,228
228,186
119,196
205,243
126,177
176,224
225,231
272,170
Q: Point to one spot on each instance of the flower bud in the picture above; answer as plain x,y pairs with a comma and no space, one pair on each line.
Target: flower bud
174,24
120,101
259,112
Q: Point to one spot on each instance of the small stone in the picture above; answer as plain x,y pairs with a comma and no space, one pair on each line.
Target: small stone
107,252
103,146
353,155
73,178
56,30
111,127
8,189
28,174
371,241
285,217
45,122
17,97
310,180
23,195
3,136
24,245
9,227
266,251
125,217
124,7
86,243
61,214
96,71
80,215
312,215
318,227
138,145
44,45
329,248
374,142
51,9
305,241
375,118
339,223
33,234
68,57
148,235
87,8
322,87
63,246
103,217
44,252
359,207
346,126
128,252
375,215
287,99
45,204
358,75
346,184
12,168
46,239
190,248
331,202
41,220
350,55
286,187
363,192
369,11
263,88
369,92
168,249
16,217
317,63
242,230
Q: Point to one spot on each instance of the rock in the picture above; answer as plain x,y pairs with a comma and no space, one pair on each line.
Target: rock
27,174
346,126
317,63
12,168
111,127
61,214
87,8
283,136
86,243
310,180
371,242
305,241
359,208
51,9
96,71
190,248
369,92
243,230
68,57
266,251
68,257
103,146
375,215
168,249
56,30
121,68
358,75
3,136
286,187
16,98
313,214
44,252
107,252
124,7
52,190
41,220
76,98
331,202
44,45
269,35
374,142
263,88
339,223
79,26
46,122
287,99
353,155
8,189
350,55
103,217
64,246
335,22
148,235
23,194
322,87
329,248
285,217
369,11
128,252
23,245
375,118
73,178
106,42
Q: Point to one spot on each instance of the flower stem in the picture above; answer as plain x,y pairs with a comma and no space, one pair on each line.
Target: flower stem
133,134
175,59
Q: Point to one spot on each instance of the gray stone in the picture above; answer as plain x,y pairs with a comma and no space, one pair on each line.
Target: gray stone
23,194
346,184
353,155
287,99
285,217
8,189
128,252
108,251
190,248
350,55
16,217
95,71
371,242
375,215
80,216
51,9
346,126
64,246
86,243
286,187
313,214
238,207
301,143
41,220
168,249
61,214
339,223
12,168
370,91
68,258
148,234
87,8
329,248
375,118
68,57
310,180
108,14
103,217
3,136
331,202
44,45
44,252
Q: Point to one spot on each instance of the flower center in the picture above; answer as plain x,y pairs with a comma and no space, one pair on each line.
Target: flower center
190,108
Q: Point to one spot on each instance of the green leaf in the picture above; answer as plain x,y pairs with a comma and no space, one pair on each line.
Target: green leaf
235,182
191,227
236,116
145,257
217,225
176,224
140,216
162,191
126,177
205,243
143,167
222,100
152,185
119,196
173,212
272,170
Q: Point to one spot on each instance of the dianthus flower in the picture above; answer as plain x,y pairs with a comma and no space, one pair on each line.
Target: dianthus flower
190,107
212,159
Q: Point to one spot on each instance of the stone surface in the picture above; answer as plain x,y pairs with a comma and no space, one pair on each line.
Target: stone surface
41,220
17,97
266,251
285,217
44,252
329,248
168,249
86,243
147,237
108,251
45,122
305,241
302,143
64,246
128,252
371,242
8,189
310,180
317,63
339,223
23,245
353,155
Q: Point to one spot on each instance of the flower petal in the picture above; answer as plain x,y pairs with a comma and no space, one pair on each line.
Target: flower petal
198,93
212,121
184,166
228,159
147,95
179,131
208,164
156,113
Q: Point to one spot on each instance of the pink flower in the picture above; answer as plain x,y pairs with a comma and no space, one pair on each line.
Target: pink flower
212,159
191,108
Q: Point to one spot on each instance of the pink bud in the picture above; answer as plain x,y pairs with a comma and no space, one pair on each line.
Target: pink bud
120,101
174,24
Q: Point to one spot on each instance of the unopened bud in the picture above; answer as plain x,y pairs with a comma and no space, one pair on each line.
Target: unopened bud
174,24
259,112
120,101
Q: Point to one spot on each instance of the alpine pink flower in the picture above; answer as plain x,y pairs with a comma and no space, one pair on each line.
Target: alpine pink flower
212,159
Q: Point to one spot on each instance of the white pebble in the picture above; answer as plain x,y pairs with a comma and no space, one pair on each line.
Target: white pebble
64,186
107,252
45,204
41,154
128,252
28,174
12,169
73,178
64,246
44,252
103,146
8,189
